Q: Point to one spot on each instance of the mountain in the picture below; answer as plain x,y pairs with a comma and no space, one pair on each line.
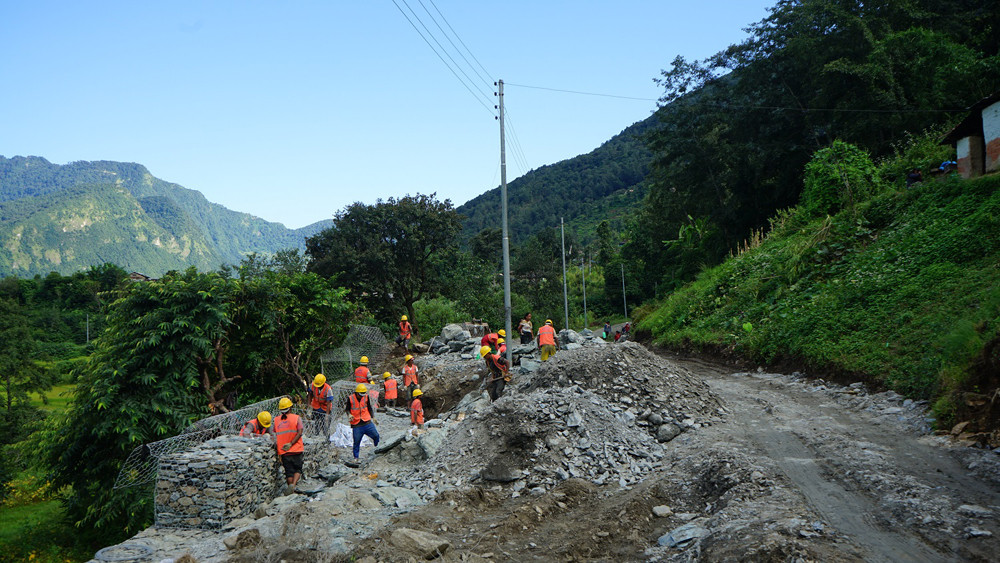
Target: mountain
606,183
65,218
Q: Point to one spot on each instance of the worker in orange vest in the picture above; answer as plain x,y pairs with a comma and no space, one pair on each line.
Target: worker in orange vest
417,409
288,439
491,338
391,388
321,401
410,379
405,332
257,426
497,374
361,375
501,346
362,415
547,340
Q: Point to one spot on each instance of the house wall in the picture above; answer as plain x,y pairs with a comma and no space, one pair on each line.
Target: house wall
991,136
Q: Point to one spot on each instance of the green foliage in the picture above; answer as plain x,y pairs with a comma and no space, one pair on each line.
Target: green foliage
385,253
909,303
837,178
435,313
922,151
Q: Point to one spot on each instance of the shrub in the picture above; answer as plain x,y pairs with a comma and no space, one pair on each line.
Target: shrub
837,178
433,314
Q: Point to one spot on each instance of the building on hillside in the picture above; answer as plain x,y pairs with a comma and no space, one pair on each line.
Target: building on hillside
977,138
137,277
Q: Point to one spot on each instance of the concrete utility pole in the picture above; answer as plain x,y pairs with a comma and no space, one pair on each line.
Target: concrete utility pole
583,276
562,228
624,300
506,239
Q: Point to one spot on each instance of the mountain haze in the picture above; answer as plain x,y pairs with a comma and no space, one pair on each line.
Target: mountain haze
65,218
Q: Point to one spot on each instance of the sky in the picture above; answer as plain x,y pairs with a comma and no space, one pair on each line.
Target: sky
292,110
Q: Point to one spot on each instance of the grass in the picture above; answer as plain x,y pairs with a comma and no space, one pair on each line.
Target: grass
58,398
37,533
902,291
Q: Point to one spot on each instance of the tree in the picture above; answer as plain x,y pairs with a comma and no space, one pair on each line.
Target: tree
18,373
385,253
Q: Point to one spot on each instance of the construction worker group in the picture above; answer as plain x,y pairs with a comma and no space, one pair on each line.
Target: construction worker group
362,405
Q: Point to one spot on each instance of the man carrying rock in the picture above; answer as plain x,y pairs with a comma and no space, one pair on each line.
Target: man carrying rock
497,375
362,415
547,340
321,401
417,409
288,439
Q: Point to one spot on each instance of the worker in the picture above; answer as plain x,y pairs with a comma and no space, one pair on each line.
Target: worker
373,392
362,374
321,401
547,340
410,379
390,384
618,336
491,338
501,346
362,414
497,374
257,426
524,328
417,410
288,439
405,332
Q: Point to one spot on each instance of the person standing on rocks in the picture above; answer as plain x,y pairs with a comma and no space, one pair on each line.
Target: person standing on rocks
391,389
362,414
417,410
288,439
497,374
321,401
405,332
547,340
410,379
524,329
362,374
257,426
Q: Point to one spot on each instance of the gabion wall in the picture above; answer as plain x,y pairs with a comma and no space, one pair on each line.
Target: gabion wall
225,478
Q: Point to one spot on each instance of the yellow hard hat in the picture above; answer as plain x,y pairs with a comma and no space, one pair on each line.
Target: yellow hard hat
319,380
386,375
500,341
364,360
284,403
548,321
485,350
502,332
361,388
264,418
408,358
417,392
403,318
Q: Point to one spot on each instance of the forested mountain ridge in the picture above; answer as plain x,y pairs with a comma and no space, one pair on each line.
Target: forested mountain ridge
605,183
65,218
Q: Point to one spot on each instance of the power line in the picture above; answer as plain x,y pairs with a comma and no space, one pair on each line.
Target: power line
582,93
486,81
478,99
486,72
518,150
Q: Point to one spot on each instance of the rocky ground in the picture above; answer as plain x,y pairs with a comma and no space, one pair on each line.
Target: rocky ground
613,453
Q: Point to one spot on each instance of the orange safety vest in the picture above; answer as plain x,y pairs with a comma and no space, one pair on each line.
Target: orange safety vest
496,368
317,399
361,374
253,426
410,375
489,339
417,412
405,329
285,428
359,409
390,388
546,335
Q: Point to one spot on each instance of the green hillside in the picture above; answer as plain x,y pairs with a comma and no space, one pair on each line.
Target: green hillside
66,218
606,183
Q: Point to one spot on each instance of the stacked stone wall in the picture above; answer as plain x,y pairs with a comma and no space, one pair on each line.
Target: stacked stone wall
226,478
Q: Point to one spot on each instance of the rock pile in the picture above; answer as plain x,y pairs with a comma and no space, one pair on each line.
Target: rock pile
225,478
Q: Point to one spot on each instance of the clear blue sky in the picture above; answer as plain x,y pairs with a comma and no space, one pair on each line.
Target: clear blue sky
291,110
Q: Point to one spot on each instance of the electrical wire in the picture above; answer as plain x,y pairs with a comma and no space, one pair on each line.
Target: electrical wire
581,93
471,54
478,99
487,82
518,150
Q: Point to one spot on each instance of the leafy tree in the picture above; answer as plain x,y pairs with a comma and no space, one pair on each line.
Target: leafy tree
18,372
836,178
385,253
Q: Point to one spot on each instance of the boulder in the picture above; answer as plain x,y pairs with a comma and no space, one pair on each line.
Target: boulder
454,332
573,346
529,365
499,472
682,535
397,496
421,348
390,442
586,333
245,539
567,336
422,544
667,432
456,346
430,443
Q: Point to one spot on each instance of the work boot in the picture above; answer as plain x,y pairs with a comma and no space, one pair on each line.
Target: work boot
290,489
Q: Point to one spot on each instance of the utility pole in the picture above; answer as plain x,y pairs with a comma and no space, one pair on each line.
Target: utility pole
583,276
506,239
562,228
88,328
624,300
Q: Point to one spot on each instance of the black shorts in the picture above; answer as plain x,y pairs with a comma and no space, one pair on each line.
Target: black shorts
292,464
